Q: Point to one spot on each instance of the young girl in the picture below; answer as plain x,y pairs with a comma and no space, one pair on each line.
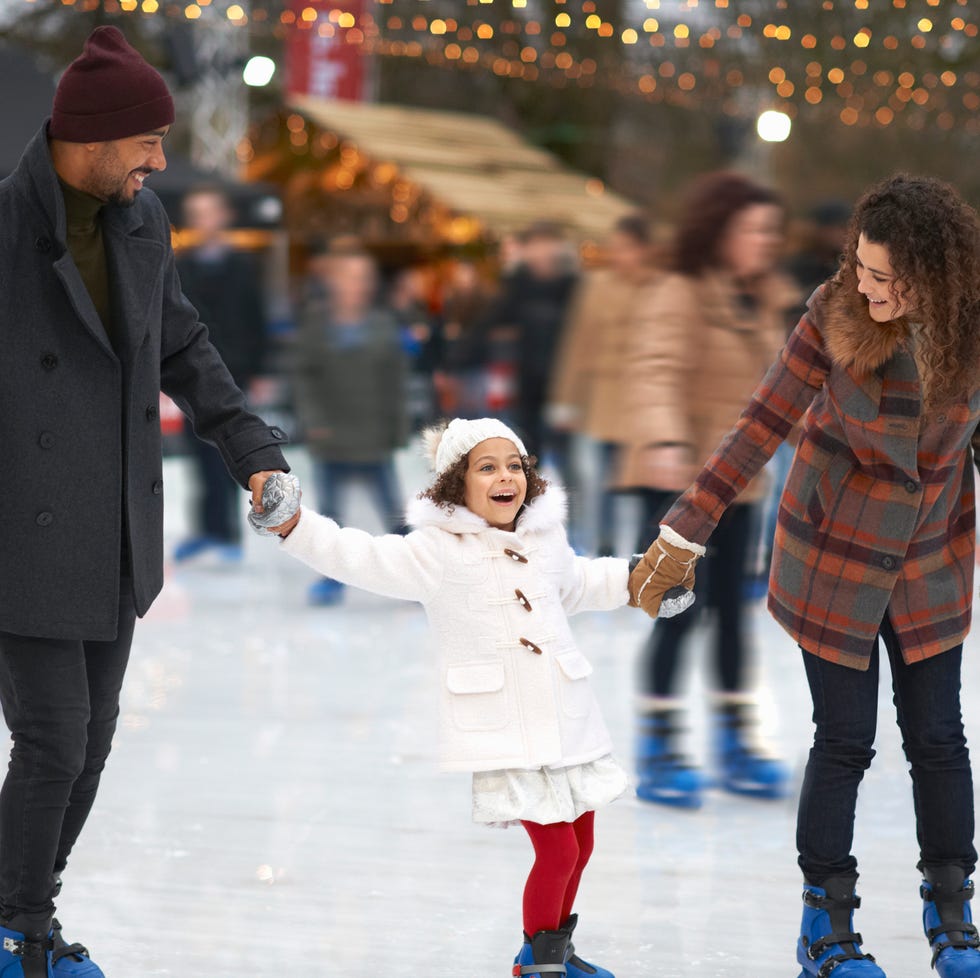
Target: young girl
490,563
875,540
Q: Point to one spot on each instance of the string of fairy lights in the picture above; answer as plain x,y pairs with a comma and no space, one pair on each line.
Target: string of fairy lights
922,68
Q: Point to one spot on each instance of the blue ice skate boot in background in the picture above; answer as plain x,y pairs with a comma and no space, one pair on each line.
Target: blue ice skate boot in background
575,967
827,942
948,922
743,768
664,775
326,593
541,956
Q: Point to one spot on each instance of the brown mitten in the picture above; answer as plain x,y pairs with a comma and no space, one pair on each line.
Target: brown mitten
662,583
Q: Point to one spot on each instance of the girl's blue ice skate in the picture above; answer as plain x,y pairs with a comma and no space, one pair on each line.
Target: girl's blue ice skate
948,922
541,956
575,967
827,942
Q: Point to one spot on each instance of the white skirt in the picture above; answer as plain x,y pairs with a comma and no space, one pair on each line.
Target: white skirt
546,794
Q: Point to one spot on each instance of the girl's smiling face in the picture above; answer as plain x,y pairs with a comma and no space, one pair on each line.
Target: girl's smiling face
888,296
495,482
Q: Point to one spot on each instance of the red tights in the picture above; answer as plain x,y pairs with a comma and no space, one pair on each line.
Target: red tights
561,852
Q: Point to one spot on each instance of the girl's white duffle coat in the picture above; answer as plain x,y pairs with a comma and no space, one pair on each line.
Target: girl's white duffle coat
515,689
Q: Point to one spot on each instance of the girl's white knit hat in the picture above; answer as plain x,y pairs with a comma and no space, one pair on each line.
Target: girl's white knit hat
444,447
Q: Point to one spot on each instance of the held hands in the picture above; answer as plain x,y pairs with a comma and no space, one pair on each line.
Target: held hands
275,503
662,583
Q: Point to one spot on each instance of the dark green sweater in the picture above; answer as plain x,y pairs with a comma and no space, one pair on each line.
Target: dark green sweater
87,248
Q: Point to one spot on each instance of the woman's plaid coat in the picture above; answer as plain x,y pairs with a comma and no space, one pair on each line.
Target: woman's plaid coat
877,516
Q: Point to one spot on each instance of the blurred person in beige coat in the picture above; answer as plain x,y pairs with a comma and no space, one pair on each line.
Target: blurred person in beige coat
588,393
707,336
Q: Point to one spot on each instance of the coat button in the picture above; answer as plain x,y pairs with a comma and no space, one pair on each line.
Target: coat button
157,487
941,419
49,361
911,486
888,563
278,433
43,245
46,440
44,519
152,413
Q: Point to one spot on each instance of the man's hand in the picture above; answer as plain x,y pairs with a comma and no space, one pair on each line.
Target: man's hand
282,493
257,483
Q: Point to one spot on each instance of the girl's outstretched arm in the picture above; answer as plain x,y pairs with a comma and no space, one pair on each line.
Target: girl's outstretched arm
409,567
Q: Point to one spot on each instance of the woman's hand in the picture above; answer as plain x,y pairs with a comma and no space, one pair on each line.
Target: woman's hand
667,467
667,566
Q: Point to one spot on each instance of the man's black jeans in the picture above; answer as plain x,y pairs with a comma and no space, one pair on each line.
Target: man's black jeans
845,711
60,701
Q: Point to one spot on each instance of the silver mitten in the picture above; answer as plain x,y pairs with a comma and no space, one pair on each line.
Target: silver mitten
280,501
676,600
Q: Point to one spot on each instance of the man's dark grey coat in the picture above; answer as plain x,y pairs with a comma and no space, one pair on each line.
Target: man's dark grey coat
79,424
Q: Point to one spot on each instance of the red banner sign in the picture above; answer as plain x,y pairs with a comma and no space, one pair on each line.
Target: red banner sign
326,58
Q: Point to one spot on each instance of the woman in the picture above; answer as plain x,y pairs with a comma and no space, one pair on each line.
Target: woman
587,390
705,338
875,539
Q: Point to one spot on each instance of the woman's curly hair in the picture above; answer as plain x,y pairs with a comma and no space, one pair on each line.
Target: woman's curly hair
933,241
449,489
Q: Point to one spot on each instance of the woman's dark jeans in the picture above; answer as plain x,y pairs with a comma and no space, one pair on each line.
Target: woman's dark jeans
845,711
60,701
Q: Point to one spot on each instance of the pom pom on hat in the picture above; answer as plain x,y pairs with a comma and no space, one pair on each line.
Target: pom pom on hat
444,445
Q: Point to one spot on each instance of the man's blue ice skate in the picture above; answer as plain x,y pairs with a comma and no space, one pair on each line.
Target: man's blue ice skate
27,954
743,769
948,922
541,956
827,941
664,776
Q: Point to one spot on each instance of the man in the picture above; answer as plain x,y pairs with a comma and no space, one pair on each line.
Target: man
224,286
94,327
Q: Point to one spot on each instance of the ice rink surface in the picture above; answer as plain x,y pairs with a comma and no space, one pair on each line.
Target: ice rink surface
272,808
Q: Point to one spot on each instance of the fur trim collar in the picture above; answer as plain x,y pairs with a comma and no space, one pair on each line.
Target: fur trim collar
853,339
544,513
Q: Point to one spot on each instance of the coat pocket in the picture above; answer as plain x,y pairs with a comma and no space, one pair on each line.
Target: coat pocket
573,680
479,696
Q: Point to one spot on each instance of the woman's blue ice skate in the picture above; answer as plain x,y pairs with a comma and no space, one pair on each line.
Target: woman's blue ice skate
948,922
26,954
827,942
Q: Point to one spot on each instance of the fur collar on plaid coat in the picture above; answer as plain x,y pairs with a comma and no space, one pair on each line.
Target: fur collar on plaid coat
853,339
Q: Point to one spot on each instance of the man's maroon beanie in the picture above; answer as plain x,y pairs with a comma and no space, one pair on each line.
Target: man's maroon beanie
109,92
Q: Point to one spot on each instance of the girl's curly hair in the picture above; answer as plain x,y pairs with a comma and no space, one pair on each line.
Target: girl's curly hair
933,241
449,489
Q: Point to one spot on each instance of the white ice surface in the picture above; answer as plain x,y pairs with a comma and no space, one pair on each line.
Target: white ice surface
272,808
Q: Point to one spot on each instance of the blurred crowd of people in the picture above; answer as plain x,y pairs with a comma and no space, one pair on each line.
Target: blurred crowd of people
622,377
642,356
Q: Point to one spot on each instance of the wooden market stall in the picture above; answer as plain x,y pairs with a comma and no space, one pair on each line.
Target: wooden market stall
406,179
